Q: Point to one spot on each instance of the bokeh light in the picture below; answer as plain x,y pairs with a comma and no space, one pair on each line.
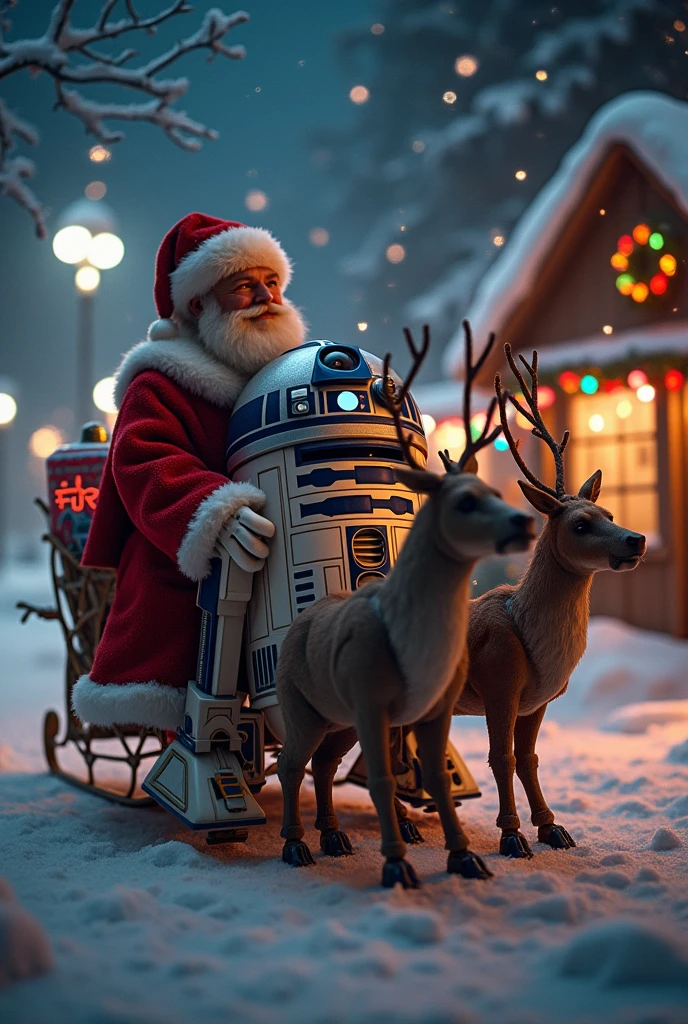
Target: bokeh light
501,444
449,97
466,65
498,240
418,146
377,29
255,200
359,94
95,190
645,393
619,261
318,236
596,423
395,253
71,244
520,175
607,329
673,380
589,384
659,284
656,241
105,251
44,441
451,435
667,264
87,279
625,283
8,408
624,409
362,325
636,379
546,396
640,292
429,423
104,395
541,75
569,382
641,233
99,154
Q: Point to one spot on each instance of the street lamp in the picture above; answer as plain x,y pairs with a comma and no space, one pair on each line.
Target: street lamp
8,411
87,239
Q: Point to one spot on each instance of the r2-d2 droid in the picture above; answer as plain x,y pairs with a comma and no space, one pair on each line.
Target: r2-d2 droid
313,432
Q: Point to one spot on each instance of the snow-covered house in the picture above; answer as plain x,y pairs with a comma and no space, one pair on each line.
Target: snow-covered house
594,277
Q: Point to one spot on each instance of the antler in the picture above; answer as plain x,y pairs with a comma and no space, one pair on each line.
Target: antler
395,401
486,436
534,417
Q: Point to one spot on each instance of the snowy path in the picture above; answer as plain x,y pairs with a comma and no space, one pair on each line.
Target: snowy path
150,925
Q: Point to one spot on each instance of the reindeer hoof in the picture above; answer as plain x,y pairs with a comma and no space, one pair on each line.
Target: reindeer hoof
296,853
514,844
555,836
409,832
335,844
468,865
399,872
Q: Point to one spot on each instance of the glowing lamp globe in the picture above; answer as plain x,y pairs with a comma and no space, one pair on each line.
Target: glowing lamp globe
8,409
71,244
636,379
589,384
105,251
104,395
569,382
673,380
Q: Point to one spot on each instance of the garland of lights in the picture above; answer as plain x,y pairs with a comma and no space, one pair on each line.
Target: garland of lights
633,258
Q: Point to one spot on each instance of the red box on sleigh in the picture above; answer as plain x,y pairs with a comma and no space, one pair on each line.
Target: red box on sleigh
74,473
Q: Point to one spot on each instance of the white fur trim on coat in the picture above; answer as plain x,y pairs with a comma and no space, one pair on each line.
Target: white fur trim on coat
198,546
188,363
224,254
151,704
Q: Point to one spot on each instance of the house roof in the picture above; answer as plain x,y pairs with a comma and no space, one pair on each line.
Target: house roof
653,126
599,350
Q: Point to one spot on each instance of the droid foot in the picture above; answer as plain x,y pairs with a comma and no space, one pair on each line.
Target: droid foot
335,843
399,871
514,844
296,853
555,836
409,832
468,865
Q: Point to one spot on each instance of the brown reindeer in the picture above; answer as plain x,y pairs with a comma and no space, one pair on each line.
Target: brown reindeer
387,655
524,641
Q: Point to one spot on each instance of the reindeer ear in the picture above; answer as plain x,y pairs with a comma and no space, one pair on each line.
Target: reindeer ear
592,486
471,465
420,480
543,502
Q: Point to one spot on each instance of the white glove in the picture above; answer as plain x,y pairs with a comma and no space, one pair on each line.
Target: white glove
241,537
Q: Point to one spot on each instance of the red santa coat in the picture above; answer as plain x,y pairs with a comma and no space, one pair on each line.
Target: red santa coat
163,501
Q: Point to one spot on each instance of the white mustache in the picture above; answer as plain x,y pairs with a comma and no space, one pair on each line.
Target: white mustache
253,311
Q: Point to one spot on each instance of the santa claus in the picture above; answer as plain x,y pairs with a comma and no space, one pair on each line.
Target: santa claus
166,506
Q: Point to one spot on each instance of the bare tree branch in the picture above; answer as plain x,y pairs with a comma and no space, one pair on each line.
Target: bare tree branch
67,54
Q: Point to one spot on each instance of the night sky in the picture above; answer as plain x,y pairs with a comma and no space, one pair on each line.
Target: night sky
265,107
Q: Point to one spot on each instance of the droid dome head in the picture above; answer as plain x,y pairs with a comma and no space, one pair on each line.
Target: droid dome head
321,393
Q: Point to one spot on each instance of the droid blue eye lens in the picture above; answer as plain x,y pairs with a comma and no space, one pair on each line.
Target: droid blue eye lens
347,400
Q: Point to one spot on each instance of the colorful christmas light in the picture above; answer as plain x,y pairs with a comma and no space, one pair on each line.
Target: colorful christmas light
569,382
640,291
636,379
673,380
625,283
628,282
656,240
641,234
667,264
589,384
546,396
659,283
645,393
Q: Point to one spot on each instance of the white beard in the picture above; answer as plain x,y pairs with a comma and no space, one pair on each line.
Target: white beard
244,343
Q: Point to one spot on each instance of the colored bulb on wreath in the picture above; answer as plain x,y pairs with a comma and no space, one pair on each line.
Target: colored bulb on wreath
640,292
641,233
636,379
659,284
656,241
667,264
625,283
625,245
619,261
673,380
569,382
589,384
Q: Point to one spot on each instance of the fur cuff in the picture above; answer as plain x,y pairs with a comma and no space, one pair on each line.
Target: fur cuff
151,704
198,546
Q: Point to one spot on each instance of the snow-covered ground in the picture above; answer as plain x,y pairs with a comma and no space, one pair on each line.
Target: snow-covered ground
131,919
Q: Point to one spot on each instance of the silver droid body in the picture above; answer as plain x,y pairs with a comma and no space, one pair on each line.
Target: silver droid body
312,431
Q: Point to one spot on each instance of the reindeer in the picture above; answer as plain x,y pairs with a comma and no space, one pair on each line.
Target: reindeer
353,665
524,641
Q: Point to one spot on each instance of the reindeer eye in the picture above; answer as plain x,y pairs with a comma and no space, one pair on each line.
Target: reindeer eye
467,504
582,526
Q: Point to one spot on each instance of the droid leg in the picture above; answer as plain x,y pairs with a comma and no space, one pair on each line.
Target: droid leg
432,743
325,762
205,776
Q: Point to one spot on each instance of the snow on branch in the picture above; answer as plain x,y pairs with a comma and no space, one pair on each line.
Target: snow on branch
71,56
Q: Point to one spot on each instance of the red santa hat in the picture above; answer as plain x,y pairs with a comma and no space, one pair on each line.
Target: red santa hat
198,252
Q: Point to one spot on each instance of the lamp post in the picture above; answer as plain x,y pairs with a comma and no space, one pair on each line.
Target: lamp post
8,411
87,239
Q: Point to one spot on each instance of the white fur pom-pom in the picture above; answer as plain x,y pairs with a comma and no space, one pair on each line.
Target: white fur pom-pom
163,330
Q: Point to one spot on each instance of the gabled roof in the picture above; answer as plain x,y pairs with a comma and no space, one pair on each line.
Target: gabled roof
652,126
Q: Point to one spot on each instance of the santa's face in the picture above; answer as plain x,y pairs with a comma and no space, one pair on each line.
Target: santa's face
246,322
